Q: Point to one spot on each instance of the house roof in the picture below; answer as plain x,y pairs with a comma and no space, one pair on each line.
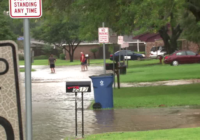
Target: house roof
148,37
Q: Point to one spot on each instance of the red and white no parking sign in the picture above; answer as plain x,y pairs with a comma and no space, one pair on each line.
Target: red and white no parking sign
25,8
103,35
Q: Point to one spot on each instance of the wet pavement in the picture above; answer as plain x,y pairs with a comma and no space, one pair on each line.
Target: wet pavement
54,114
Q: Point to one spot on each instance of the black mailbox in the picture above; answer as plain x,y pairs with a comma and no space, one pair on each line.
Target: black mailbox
75,87
78,86
109,66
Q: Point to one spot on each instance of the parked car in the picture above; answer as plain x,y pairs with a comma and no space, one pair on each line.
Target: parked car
158,51
182,57
122,53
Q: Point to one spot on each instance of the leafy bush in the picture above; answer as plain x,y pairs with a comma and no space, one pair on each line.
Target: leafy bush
62,56
47,49
21,57
94,50
41,57
111,48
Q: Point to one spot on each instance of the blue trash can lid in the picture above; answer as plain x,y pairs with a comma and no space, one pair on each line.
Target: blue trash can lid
101,75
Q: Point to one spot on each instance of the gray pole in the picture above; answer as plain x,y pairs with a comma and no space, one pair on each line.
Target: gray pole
28,91
104,55
119,55
113,66
126,58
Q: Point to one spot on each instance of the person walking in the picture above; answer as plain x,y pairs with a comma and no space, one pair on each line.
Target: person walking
86,63
82,59
52,61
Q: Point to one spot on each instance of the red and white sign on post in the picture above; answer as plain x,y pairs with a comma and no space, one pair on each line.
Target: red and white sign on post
25,8
120,40
103,35
125,45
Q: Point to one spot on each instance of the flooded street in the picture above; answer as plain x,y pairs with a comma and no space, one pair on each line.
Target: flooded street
54,109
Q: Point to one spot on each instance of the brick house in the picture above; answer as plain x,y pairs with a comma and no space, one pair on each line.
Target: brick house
85,47
155,40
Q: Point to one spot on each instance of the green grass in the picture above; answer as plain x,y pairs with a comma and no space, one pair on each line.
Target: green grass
141,71
170,134
149,97
150,70
23,70
67,63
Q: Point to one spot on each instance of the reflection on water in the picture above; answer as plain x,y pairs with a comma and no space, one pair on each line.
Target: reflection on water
105,120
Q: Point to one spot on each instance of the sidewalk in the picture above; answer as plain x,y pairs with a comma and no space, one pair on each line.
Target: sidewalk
159,83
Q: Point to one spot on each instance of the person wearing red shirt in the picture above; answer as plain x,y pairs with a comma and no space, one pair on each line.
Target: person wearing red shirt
82,59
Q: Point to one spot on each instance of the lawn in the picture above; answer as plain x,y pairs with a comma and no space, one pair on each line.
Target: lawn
150,97
170,134
150,70
66,62
141,71
23,70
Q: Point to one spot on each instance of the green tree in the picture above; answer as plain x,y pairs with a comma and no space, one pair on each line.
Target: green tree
138,16
47,49
194,7
5,32
58,31
191,21
94,50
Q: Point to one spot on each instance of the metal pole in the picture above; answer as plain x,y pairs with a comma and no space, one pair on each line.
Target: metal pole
75,113
104,55
113,67
138,47
28,88
82,117
119,54
126,58
119,65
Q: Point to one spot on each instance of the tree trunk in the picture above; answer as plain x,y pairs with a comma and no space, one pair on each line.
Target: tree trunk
71,56
71,49
170,42
198,48
165,37
94,55
174,45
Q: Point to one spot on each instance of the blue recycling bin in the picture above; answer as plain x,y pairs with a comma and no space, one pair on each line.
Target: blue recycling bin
103,91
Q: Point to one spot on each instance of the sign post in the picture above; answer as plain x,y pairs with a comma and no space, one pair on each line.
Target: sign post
120,41
27,9
125,45
28,88
104,38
